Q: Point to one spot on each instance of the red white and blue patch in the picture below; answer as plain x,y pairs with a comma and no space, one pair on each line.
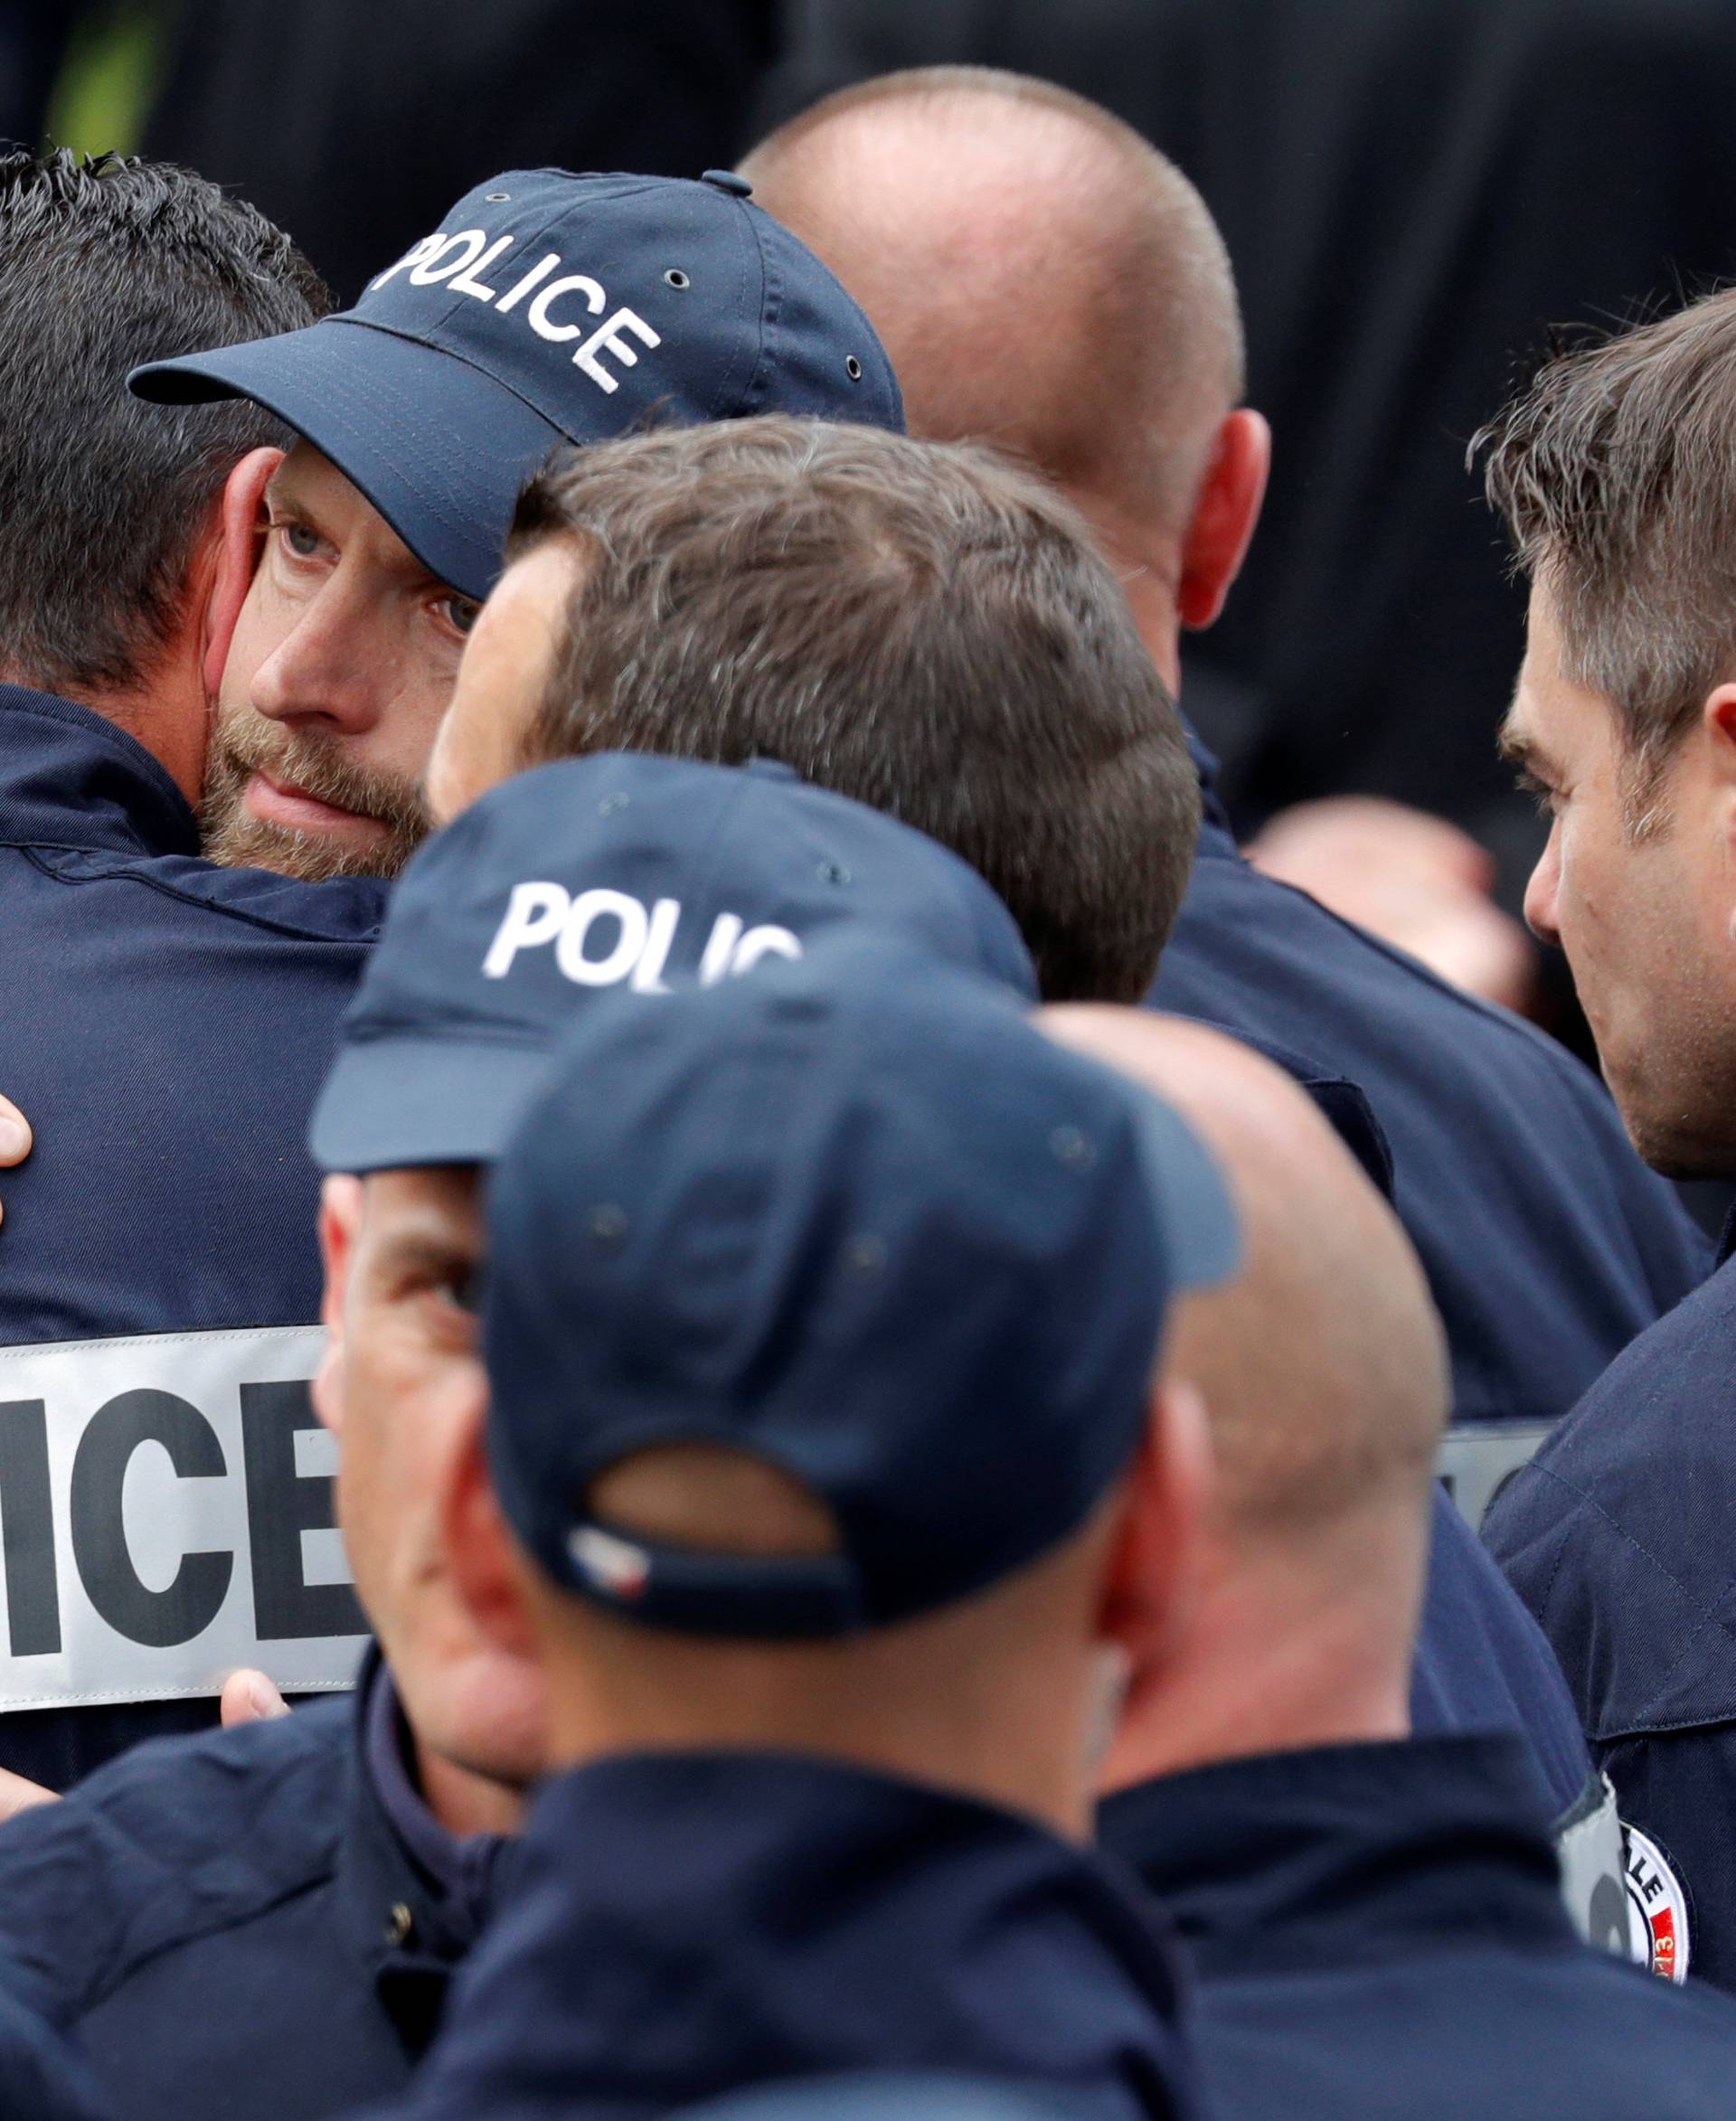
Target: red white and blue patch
613,1567
1657,1908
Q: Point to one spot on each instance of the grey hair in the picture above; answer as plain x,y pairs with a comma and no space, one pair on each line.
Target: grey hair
1616,473
918,625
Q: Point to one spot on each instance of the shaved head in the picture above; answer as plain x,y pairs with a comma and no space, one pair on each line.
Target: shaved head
1323,1365
1043,278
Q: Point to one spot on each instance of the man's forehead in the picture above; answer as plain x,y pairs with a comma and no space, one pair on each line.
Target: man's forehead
307,470
422,1199
522,625
1551,713
1518,738
535,591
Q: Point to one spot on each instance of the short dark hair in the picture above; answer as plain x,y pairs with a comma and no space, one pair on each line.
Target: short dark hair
1616,473
919,626
105,263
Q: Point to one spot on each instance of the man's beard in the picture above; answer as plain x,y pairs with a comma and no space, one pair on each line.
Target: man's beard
245,743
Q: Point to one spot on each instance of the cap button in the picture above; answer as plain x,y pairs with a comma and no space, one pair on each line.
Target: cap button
726,180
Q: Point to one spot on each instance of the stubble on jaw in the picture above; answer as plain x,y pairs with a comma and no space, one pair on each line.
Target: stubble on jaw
244,743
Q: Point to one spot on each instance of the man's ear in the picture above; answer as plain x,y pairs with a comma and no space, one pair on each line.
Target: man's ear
340,1217
481,1554
1718,717
1224,515
1154,1566
240,523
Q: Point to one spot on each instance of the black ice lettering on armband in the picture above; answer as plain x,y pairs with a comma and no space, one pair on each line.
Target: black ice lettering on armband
158,1619
27,1531
282,1504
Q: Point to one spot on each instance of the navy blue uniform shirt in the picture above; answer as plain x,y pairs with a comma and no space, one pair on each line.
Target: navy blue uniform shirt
189,1909
675,1926
166,1028
260,1921
42,2076
1376,1930
1547,1243
1618,1537
1483,1664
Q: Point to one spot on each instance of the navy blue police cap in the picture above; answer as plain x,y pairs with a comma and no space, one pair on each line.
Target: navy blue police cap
546,309
858,1219
616,873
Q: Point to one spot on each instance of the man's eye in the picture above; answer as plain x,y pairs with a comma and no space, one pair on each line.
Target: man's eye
460,613
463,1287
1543,797
300,539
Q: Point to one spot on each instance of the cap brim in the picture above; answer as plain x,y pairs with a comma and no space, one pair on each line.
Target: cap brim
1202,1231
438,447
392,1104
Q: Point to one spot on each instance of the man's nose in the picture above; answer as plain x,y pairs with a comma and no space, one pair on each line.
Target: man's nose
1542,891
321,673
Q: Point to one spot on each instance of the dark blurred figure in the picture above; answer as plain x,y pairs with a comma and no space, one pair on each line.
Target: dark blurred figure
354,127
34,38
1411,192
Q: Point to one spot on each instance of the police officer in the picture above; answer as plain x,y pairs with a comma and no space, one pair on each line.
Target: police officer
562,659
1609,472
162,1019
1122,384
168,1020
771,1282
1504,1149
190,1911
546,309
1375,1917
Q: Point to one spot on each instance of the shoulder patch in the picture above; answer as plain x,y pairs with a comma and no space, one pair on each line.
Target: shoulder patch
1657,1908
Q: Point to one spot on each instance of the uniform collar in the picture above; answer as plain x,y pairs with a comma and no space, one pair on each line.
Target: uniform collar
412,1896
70,778
809,1916
1216,836
1293,1860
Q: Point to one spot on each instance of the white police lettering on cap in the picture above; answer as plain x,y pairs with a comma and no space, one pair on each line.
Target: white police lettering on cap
457,262
602,938
166,1518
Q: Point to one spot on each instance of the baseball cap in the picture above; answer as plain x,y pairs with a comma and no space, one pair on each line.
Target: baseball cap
861,1221
619,871
551,307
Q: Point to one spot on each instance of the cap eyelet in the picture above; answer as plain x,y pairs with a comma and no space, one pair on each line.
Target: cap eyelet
678,279
852,367
833,872
497,198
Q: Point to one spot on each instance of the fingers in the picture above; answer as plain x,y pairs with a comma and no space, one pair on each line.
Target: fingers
17,1795
249,1697
15,1136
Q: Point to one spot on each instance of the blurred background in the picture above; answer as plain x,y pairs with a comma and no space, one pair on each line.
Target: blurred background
1416,194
